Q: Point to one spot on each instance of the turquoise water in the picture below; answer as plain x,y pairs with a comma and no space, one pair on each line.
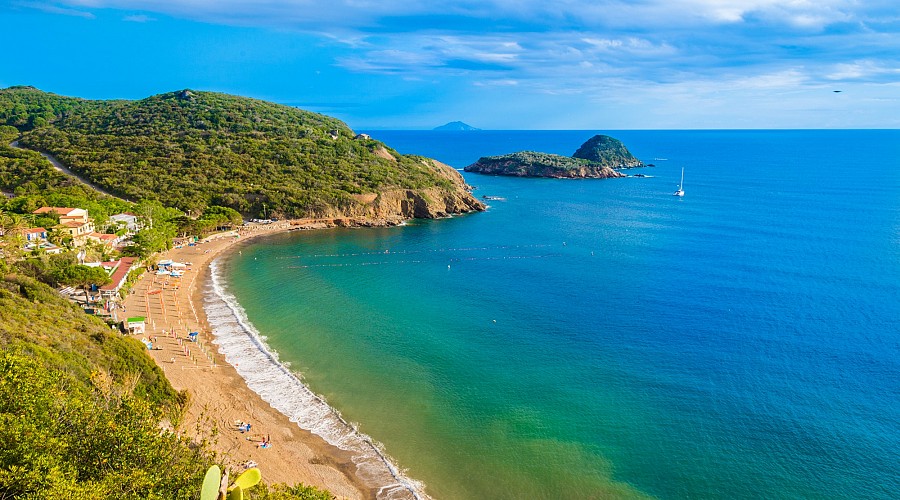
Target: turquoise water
599,338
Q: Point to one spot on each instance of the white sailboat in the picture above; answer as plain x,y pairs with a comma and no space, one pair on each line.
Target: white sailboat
680,191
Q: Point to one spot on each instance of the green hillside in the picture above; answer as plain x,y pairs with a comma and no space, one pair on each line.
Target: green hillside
190,149
608,152
81,405
85,413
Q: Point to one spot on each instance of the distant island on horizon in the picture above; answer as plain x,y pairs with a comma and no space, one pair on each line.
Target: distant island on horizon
456,126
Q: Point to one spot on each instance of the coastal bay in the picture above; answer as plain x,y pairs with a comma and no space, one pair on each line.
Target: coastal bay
242,258
635,342
621,380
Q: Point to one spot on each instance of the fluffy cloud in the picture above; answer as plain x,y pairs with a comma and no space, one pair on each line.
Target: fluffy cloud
537,13
576,47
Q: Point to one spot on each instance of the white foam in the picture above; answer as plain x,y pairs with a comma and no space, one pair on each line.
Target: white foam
246,350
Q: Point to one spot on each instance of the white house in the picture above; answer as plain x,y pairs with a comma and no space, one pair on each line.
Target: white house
127,220
35,234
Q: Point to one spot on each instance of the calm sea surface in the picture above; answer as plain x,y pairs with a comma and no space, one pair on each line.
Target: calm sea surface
597,338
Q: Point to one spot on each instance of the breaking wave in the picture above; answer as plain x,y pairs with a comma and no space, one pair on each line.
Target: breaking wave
245,349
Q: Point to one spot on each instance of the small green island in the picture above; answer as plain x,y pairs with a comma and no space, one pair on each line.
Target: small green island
598,158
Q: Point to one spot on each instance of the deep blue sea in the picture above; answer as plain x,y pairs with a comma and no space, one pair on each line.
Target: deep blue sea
603,338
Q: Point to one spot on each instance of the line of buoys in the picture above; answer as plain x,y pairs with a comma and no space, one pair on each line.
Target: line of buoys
406,252
455,259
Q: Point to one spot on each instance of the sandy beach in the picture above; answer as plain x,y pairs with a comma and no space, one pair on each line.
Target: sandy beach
219,397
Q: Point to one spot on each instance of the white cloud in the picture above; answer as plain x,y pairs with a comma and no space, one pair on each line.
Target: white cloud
687,52
583,13
56,9
496,83
861,70
138,18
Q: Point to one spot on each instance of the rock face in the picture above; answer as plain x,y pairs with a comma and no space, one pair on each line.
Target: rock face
423,203
429,203
596,159
607,151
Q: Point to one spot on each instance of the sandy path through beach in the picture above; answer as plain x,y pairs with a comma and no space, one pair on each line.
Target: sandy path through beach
219,396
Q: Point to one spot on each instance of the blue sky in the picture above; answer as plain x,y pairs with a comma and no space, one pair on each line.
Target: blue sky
495,64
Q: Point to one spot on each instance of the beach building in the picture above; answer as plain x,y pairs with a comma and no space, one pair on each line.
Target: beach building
65,214
119,273
135,325
78,230
36,239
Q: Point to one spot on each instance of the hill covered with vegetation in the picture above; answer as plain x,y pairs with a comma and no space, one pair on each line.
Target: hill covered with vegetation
190,149
608,152
597,158
81,406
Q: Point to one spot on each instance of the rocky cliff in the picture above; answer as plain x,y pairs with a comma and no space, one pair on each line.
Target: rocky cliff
422,203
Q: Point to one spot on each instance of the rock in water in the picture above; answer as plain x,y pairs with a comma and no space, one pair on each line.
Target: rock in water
597,159
534,164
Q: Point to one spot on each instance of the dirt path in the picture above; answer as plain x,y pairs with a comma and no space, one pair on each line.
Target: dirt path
58,165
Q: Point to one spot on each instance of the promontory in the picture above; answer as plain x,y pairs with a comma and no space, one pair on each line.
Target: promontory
190,150
598,158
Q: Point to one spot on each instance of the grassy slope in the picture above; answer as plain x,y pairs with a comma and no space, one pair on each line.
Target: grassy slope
81,408
35,321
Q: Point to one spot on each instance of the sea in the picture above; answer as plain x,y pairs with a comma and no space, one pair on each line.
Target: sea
600,338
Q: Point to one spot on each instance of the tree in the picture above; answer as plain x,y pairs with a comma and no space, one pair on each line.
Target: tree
80,275
12,241
95,250
60,238
223,215
13,223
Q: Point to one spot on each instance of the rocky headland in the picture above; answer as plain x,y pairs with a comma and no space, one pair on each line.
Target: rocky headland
191,150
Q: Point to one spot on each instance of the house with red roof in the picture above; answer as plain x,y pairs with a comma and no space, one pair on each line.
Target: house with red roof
74,221
35,234
65,214
109,240
120,270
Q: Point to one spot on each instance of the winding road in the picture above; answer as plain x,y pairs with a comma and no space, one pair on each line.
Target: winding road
58,165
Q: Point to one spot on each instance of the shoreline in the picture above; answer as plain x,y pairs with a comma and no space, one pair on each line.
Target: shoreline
220,396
